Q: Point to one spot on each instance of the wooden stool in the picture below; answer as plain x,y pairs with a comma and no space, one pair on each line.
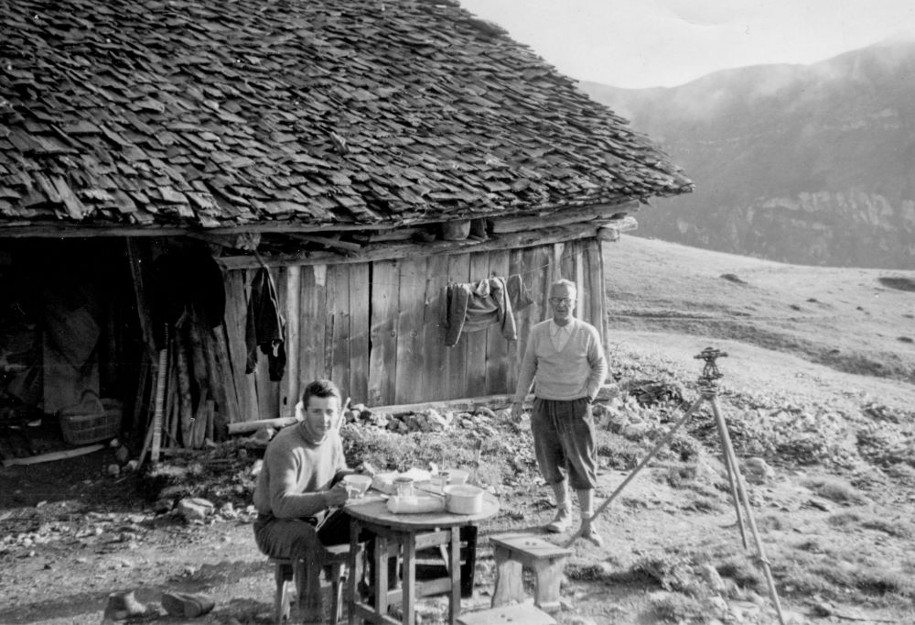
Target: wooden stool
519,614
286,571
513,553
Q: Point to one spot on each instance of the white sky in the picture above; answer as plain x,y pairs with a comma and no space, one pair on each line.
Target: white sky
643,43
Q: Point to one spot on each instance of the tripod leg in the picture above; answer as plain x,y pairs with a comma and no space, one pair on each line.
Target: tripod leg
764,561
730,466
664,441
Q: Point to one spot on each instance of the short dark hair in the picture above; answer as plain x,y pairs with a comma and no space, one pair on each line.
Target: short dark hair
320,388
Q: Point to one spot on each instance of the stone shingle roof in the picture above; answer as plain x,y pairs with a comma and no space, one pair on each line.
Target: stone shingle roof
208,113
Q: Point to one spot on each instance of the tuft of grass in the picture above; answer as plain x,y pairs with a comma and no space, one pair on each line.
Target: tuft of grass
835,489
670,572
743,571
844,519
675,607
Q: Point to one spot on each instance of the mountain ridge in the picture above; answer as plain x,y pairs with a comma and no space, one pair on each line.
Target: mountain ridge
810,164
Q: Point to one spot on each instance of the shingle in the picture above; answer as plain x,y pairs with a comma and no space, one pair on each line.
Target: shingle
176,112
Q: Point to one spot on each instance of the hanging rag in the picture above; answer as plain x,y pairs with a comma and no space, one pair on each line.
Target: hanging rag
265,328
474,307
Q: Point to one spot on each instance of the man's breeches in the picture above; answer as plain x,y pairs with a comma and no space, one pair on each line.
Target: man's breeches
564,441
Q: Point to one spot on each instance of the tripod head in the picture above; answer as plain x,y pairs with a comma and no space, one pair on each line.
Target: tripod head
710,374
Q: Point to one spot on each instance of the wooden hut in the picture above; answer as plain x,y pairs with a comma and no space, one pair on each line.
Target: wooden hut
369,153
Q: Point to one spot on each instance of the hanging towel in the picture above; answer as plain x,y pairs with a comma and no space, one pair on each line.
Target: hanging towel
473,307
265,328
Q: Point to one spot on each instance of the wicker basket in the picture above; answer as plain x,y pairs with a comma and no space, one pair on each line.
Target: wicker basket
91,420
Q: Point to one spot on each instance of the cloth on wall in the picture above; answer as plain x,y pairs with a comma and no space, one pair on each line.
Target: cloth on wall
265,328
472,307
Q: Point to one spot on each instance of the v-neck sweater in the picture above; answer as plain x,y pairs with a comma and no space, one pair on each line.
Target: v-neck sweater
574,372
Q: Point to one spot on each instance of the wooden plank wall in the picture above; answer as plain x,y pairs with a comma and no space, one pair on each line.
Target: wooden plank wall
378,329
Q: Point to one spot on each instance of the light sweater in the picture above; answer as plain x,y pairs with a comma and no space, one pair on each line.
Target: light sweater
574,372
296,473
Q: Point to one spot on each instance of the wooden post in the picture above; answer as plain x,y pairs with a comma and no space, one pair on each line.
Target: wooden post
161,375
293,303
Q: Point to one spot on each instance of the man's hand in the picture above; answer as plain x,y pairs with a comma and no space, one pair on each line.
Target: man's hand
337,495
366,469
516,410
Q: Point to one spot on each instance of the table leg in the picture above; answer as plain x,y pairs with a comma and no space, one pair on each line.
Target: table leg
454,599
409,579
354,572
381,574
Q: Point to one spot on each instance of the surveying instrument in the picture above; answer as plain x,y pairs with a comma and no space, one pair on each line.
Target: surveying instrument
708,393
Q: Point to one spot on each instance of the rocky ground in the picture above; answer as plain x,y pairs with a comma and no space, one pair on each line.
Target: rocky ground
827,445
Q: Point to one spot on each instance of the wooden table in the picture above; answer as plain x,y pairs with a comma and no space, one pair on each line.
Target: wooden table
405,534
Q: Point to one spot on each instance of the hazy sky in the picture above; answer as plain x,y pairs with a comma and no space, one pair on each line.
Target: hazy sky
643,43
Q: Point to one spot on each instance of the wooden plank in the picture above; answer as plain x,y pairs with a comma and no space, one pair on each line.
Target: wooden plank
433,335
55,455
314,313
360,296
456,357
290,386
496,362
598,303
543,259
383,357
236,318
476,341
338,292
410,376
516,265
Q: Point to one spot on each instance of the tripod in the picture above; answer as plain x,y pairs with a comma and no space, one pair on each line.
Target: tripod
708,392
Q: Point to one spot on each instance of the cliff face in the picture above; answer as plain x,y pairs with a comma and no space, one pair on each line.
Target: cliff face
805,164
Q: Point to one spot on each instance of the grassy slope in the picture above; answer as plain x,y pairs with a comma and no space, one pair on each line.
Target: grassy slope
843,318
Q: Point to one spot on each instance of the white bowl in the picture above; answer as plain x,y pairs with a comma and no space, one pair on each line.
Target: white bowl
458,476
357,484
463,499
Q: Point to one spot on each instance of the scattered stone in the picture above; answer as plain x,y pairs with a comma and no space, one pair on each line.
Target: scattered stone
123,605
757,471
187,605
113,470
195,509
122,454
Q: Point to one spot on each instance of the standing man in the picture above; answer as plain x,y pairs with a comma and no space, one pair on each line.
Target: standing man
299,485
565,362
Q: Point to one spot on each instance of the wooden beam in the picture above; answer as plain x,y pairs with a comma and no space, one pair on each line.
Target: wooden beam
54,455
57,229
334,243
564,218
253,426
373,253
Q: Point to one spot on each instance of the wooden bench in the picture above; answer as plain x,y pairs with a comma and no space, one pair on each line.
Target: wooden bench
335,557
514,552
518,614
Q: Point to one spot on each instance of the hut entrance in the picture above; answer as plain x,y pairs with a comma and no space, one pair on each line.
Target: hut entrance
69,338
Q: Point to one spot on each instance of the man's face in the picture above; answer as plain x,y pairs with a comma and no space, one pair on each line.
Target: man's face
562,303
321,415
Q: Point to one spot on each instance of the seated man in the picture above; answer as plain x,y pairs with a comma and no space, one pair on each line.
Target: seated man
299,486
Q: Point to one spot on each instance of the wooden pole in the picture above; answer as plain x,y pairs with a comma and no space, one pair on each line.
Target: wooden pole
161,376
732,459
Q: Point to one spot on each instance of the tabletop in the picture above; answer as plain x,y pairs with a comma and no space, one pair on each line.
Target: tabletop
375,510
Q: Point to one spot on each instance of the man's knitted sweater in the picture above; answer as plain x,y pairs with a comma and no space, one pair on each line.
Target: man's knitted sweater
296,472
574,372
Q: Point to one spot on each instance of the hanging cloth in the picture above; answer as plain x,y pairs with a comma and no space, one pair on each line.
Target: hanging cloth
265,328
474,307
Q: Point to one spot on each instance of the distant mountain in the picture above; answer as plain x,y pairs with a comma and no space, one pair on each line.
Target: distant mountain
806,164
